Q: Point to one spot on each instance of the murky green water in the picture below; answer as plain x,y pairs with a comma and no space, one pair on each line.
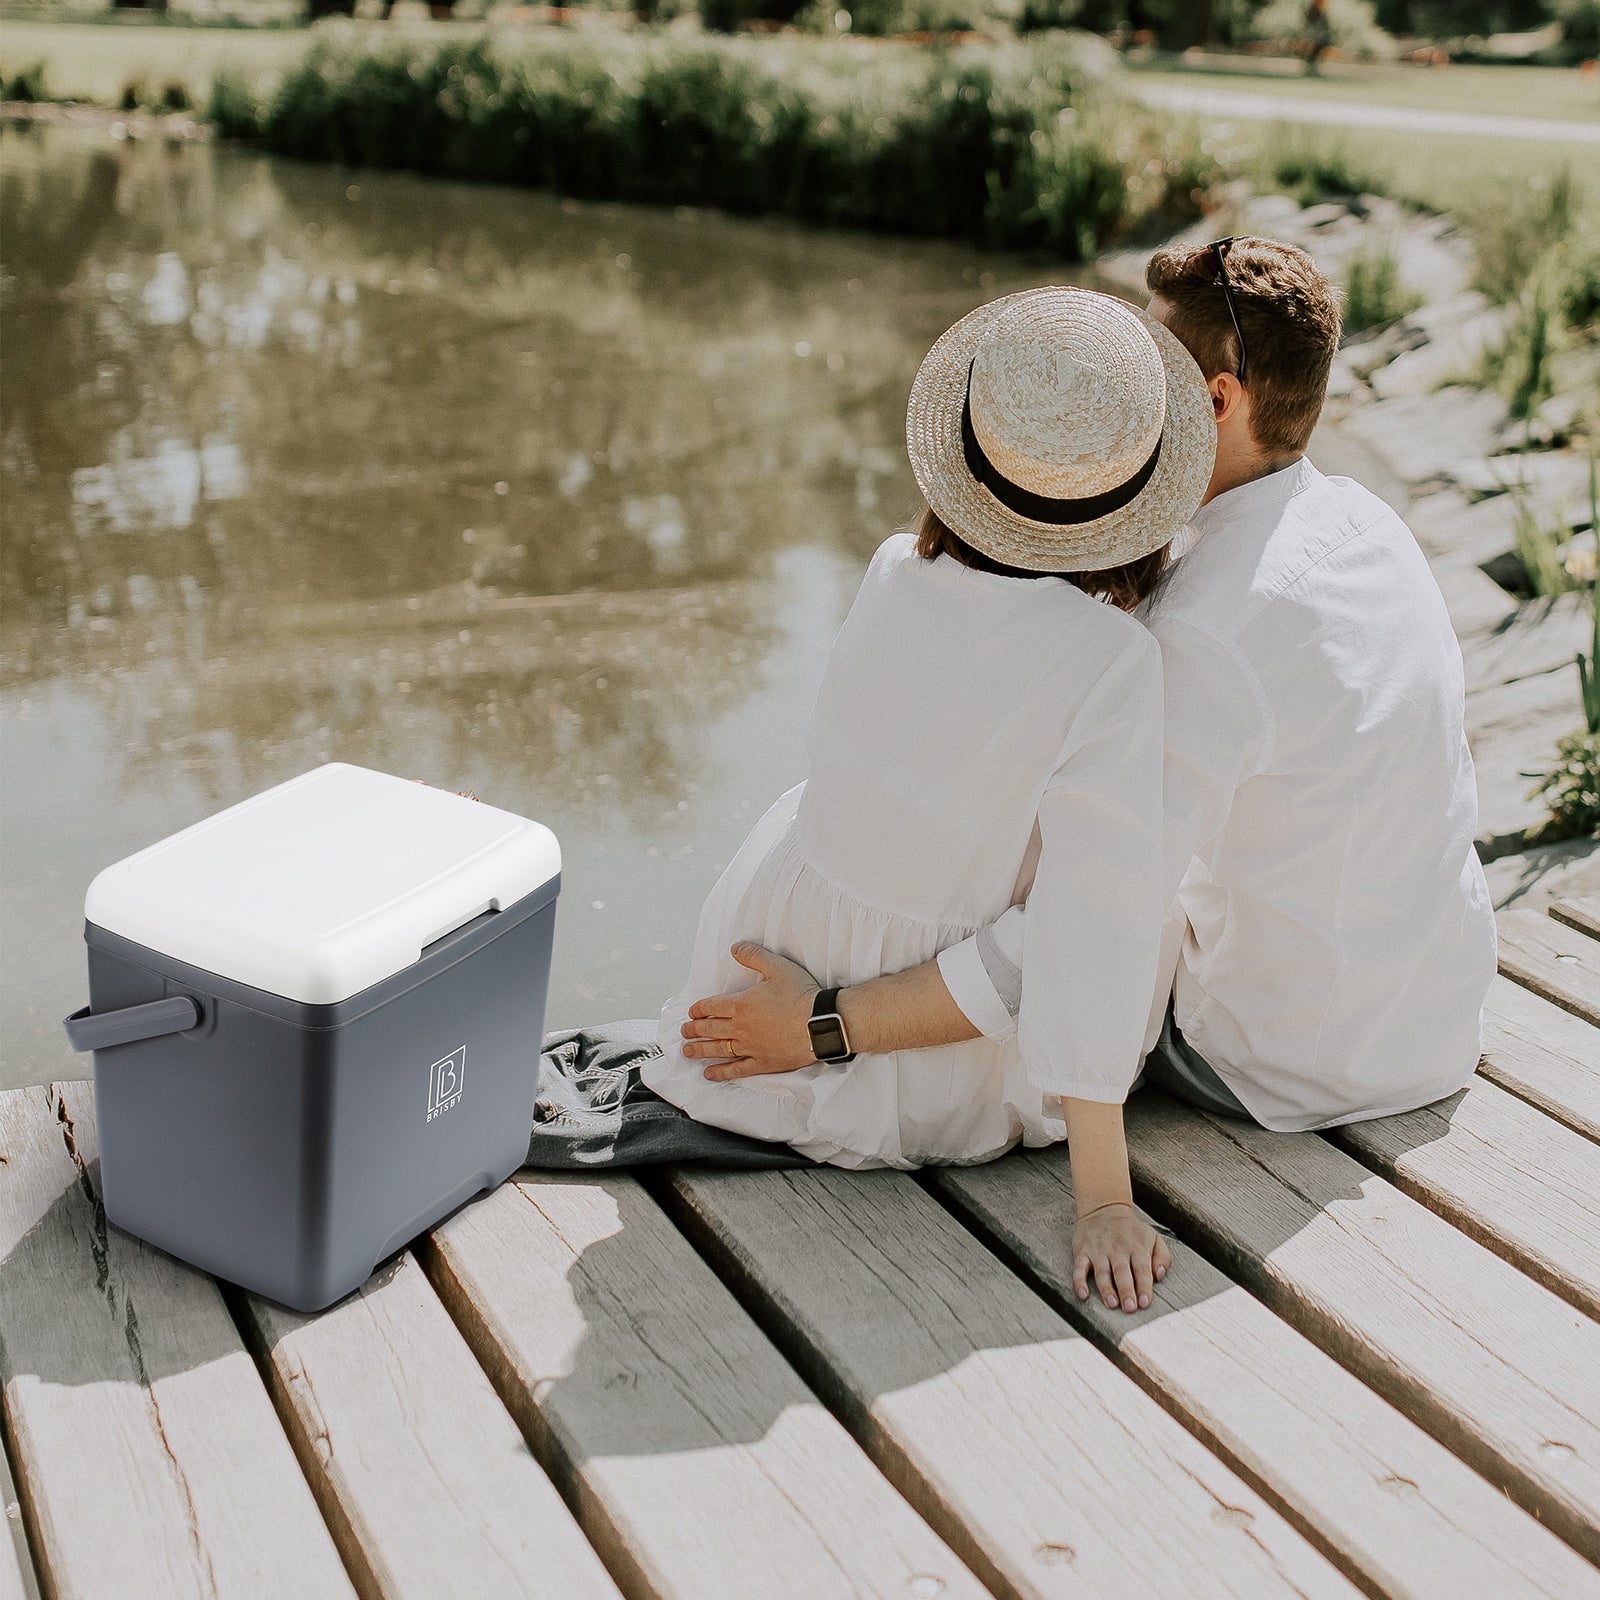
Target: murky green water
559,503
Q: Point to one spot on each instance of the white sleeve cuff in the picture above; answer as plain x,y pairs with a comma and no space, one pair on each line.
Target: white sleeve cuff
975,991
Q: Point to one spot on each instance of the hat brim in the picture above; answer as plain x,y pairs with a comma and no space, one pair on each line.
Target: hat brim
966,507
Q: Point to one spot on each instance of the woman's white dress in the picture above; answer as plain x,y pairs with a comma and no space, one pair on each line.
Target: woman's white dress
977,741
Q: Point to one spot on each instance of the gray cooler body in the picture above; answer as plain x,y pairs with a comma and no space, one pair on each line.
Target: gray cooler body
290,1146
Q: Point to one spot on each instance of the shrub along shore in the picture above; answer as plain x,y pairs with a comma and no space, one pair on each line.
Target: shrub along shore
999,144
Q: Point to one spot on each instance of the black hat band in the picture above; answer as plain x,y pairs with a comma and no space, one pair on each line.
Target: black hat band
1039,507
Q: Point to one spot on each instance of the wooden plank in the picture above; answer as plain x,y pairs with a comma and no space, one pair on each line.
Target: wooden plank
1553,960
1393,1506
1547,1056
980,1402
1490,1362
698,1463
1581,912
419,1469
148,1457
1503,1172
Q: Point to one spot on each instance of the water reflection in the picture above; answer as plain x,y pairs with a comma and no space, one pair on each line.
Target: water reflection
559,502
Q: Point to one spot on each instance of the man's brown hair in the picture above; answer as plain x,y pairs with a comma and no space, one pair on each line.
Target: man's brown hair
1123,586
1289,313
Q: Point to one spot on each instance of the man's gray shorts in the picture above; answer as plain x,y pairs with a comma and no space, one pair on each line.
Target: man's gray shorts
593,1111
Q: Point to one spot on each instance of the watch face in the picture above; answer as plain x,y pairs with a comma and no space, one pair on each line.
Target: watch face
827,1036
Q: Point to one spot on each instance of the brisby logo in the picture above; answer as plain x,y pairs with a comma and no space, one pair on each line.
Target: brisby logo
445,1078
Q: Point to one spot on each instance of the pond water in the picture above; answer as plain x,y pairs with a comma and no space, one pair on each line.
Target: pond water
559,503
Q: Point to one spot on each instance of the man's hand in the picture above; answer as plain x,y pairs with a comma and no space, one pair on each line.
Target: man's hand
1125,1254
760,1029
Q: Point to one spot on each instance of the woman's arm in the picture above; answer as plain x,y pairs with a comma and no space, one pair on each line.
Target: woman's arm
1109,1237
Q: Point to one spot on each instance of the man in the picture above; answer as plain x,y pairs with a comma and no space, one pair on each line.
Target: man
1330,938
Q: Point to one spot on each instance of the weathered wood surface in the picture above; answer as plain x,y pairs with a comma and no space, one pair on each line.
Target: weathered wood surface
149,1459
1581,912
1542,1053
1492,1363
14,1560
1506,1174
1018,1440
419,1469
699,1464
1552,959
1388,1501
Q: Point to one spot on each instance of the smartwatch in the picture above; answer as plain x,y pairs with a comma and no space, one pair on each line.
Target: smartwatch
829,1041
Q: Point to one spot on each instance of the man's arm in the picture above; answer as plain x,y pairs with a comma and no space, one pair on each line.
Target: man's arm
766,1025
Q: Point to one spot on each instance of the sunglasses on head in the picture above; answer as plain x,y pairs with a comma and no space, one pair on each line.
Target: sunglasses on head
1220,251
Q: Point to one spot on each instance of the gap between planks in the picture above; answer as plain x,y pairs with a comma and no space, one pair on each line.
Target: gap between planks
1493,1364
697,1461
1553,959
1519,1182
423,1477
979,1401
1542,1054
1393,1506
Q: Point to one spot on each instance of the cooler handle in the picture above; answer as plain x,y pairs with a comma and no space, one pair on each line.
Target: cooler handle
101,1030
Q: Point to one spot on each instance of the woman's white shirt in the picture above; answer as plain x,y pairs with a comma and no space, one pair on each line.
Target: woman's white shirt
978,741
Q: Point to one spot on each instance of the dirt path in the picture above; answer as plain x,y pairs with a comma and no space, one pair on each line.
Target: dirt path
1290,108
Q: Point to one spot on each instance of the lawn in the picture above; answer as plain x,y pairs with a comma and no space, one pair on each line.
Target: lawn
93,61
1562,92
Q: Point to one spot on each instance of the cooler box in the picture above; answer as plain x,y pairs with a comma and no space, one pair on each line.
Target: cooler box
315,1020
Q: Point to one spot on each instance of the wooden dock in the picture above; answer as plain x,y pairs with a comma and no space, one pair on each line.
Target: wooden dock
1374,1370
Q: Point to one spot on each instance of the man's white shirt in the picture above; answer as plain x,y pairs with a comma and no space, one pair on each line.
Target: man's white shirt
1330,937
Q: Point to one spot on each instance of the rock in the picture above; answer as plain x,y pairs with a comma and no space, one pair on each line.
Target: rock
1533,877
1437,314
1548,478
1453,354
1320,216
1559,414
1431,261
1343,384
1368,351
1549,705
1512,730
1270,214
1544,636
1419,437
1476,603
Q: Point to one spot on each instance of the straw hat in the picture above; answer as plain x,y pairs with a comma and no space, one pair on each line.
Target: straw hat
1061,430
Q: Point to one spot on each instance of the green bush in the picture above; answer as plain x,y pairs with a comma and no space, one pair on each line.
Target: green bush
1571,789
1313,169
27,85
233,108
975,141
1373,294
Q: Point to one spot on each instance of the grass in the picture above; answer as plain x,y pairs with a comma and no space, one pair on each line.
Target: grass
1539,545
1571,788
94,63
1373,293
1512,91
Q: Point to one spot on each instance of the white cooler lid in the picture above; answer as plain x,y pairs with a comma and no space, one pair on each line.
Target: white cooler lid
325,885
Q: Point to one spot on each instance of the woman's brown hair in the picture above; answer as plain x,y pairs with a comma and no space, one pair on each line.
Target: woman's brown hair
1125,586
